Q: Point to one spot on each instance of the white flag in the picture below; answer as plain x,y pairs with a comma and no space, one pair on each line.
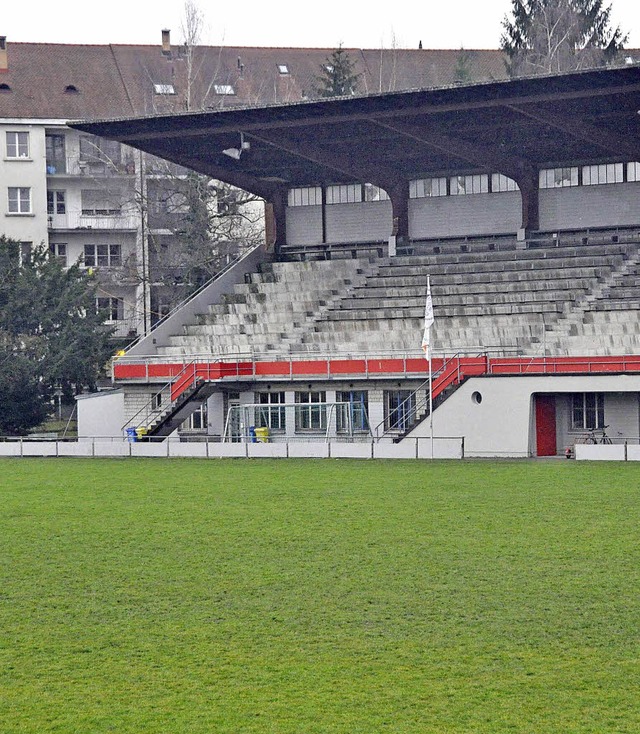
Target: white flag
428,321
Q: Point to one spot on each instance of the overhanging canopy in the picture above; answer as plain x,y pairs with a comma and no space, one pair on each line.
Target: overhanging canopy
514,127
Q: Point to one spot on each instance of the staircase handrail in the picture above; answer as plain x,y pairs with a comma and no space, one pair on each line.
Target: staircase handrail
132,422
407,401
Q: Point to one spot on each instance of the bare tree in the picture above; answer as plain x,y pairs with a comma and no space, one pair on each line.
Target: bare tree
551,36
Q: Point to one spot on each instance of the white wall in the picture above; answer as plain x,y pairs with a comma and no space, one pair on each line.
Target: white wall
101,414
24,172
501,424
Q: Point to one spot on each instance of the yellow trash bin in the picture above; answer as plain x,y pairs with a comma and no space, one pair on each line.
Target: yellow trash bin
262,434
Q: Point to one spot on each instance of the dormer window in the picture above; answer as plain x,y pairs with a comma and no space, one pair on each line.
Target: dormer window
283,69
223,89
5,87
164,89
71,89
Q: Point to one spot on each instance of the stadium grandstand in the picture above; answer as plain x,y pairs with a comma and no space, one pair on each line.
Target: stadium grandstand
518,198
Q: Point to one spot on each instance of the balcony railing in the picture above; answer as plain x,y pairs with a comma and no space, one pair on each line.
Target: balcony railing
73,166
78,220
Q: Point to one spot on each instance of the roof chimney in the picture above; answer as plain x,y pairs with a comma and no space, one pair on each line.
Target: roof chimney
4,62
166,42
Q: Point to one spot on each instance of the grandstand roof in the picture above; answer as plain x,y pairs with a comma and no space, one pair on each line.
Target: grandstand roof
507,126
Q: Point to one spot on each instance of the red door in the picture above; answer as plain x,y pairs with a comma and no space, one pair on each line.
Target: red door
545,425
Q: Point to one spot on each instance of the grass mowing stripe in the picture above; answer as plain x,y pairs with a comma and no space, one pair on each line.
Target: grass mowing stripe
318,596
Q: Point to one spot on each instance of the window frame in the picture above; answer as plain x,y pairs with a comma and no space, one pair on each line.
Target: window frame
402,402
16,145
427,188
352,414
113,305
311,411
586,406
305,196
56,201
111,258
16,203
273,414
59,251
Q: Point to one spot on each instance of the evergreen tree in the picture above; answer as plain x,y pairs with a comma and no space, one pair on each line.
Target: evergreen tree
339,76
462,74
550,36
51,336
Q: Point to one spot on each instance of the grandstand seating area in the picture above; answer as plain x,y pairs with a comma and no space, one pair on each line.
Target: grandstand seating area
560,296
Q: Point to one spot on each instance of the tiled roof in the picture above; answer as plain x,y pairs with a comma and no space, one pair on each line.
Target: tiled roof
118,80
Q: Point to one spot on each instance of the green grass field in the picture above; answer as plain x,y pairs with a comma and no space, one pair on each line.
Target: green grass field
319,596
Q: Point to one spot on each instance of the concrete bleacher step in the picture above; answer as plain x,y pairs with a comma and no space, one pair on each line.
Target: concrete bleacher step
499,298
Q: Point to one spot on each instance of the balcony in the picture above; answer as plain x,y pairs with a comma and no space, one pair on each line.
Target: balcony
92,168
100,219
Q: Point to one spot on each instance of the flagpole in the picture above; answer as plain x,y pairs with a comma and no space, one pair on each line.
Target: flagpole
428,352
431,394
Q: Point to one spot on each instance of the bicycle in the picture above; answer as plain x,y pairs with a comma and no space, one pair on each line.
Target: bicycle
596,435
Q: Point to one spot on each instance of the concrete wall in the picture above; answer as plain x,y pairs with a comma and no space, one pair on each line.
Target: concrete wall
304,225
362,222
101,414
605,205
472,214
576,207
411,449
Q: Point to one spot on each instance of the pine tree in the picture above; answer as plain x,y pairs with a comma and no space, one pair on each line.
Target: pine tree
51,336
551,36
463,74
338,77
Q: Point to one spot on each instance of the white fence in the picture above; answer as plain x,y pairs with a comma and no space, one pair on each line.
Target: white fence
409,448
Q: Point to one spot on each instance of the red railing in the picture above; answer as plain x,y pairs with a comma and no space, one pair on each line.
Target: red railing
183,375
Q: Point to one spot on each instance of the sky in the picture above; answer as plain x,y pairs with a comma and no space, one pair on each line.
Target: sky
372,24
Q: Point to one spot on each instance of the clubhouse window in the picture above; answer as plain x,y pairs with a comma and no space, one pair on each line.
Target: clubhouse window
633,171
112,307
399,409
587,410
59,251
311,411
351,411
271,412
374,193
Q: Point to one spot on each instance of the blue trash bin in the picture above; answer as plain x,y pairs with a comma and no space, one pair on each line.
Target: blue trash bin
252,434
132,435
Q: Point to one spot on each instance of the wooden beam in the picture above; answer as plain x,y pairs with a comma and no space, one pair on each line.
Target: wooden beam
478,155
608,140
